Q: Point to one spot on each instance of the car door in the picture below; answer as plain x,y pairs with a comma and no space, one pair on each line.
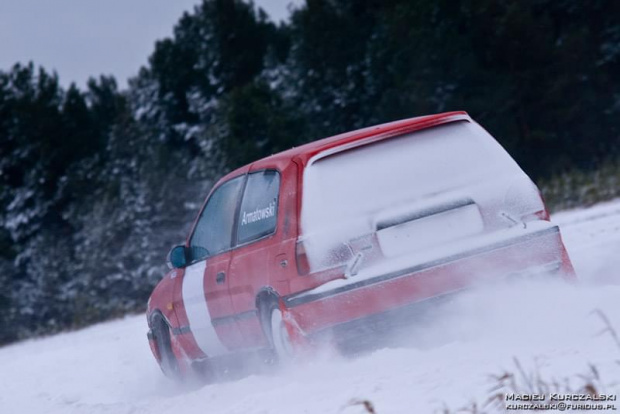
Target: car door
260,260
205,289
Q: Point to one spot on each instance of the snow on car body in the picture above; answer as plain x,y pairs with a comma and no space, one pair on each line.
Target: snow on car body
336,234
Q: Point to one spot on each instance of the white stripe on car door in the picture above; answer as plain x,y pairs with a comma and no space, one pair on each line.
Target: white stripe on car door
198,312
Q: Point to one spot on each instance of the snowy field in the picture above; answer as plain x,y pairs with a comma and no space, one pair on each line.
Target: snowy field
549,327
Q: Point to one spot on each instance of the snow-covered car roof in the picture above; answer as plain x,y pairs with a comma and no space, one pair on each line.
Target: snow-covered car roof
305,152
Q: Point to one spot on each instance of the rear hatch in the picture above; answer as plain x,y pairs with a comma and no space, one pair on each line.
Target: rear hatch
406,196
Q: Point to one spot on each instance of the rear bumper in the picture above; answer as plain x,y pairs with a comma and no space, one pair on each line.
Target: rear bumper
383,325
339,305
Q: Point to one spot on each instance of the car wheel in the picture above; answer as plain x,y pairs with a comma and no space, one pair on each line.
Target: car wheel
169,364
277,334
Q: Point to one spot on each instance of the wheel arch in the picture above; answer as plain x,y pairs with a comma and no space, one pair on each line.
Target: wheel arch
266,295
158,313
162,346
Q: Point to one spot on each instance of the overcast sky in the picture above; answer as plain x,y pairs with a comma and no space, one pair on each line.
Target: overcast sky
82,38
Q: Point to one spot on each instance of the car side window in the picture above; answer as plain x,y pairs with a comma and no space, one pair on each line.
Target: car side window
213,233
259,206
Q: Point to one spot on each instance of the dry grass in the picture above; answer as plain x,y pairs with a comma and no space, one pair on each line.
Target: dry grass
582,188
368,406
522,381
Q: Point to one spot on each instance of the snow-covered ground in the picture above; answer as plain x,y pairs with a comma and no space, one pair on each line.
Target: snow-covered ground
549,327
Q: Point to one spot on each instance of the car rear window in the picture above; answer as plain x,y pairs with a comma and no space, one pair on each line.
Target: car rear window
346,192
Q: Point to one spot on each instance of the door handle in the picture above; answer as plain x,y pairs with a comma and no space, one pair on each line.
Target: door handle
220,278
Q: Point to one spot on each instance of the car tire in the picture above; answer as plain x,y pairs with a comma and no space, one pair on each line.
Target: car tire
161,331
275,330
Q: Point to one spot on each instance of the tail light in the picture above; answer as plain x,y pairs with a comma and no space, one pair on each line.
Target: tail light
524,202
301,258
544,213
339,255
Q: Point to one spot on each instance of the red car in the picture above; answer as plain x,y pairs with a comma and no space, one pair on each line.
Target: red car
347,235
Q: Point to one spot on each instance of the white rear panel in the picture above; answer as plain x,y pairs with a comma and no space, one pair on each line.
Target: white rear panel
437,229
